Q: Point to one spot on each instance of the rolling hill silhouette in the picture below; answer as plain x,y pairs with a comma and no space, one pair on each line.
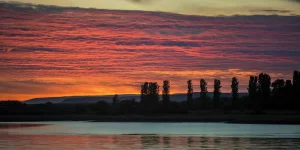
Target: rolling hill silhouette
108,98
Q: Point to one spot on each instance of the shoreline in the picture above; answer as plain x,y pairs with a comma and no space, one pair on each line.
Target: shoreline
221,118
11,125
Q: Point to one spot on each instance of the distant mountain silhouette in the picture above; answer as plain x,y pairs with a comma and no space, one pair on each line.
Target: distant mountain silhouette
108,98
53,100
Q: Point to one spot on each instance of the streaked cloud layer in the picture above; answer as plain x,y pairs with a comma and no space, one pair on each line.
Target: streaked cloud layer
66,51
191,7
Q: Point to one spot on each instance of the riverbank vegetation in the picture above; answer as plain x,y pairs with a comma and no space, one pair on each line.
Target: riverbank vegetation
263,96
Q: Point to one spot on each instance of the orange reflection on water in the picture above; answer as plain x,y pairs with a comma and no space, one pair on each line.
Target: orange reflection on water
110,142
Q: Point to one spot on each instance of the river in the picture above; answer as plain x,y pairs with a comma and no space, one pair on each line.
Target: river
137,135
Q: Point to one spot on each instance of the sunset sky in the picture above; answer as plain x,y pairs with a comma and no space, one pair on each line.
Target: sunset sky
113,48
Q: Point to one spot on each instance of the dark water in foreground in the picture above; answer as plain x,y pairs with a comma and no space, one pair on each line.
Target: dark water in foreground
96,135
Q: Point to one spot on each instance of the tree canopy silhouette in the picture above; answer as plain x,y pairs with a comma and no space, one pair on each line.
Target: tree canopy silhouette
278,93
252,91
288,94
149,93
217,93
296,89
203,89
234,91
264,89
166,92
190,91
154,92
144,92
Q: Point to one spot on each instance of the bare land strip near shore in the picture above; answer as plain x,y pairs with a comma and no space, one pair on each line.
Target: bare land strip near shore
267,118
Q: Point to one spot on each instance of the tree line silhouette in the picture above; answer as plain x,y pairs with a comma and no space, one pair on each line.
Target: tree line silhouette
262,95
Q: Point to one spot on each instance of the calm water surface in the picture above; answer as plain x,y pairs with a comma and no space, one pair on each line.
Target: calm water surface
109,135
